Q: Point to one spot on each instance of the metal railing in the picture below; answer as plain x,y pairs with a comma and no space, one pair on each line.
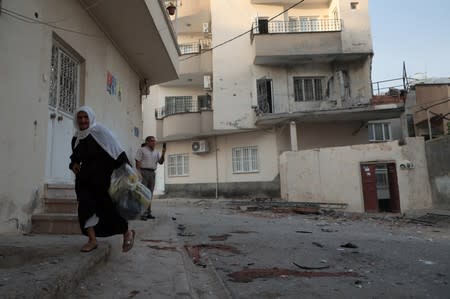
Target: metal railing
183,104
195,47
307,25
190,48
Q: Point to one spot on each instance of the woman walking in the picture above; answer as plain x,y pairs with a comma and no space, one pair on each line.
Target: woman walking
95,154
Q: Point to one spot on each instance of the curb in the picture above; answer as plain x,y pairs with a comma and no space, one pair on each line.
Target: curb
50,279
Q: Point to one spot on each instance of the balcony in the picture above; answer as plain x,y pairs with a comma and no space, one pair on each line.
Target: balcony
140,30
314,3
184,104
192,64
302,26
184,116
300,41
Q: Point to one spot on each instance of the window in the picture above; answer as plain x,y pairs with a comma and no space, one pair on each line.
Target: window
245,159
354,5
379,132
64,80
179,104
178,165
382,177
308,89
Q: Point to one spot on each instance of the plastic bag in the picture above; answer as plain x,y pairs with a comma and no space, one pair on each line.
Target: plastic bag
131,197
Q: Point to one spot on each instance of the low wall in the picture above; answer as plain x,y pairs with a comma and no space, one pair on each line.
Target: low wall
333,174
438,158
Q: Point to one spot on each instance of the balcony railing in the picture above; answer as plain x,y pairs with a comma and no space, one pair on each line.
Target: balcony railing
309,25
183,104
195,47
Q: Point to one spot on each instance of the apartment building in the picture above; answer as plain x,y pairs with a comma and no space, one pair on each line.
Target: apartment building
297,78
56,56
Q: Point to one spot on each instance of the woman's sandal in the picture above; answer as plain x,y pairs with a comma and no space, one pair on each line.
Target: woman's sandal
128,242
86,249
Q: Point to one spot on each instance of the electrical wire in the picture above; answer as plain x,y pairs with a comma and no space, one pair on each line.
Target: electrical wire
242,34
29,20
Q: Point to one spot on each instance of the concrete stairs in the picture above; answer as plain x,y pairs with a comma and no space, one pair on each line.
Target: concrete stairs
60,211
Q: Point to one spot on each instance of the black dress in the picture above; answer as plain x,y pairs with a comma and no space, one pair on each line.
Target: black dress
92,184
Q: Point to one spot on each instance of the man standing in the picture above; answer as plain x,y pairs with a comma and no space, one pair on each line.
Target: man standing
147,159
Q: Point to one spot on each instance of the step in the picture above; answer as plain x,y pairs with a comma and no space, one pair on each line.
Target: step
60,205
49,223
60,191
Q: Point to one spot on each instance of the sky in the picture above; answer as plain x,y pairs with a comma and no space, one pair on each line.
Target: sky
414,31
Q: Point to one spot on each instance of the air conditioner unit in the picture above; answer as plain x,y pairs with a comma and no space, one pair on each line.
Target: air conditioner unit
205,27
200,146
207,82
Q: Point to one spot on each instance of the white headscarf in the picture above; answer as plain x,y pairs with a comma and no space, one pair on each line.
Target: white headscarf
104,137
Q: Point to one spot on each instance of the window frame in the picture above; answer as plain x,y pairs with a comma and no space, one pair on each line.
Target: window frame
238,160
175,165
372,132
62,50
304,93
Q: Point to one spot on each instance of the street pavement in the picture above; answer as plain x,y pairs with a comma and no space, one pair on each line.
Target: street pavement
206,249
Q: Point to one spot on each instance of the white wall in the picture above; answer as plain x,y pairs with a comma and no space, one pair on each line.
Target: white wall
235,74
156,99
333,174
356,34
25,51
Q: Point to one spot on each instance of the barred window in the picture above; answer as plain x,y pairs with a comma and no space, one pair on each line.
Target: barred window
64,81
178,165
179,104
245,159
308,89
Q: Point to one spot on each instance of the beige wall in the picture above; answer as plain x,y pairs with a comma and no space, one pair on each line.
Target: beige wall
318,135
189,124
202,168
333,174
24,81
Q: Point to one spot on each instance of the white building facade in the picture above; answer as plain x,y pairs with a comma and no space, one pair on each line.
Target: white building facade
297,78
56,56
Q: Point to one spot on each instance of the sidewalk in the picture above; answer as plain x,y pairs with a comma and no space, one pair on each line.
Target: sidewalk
51,266
154,268
45,266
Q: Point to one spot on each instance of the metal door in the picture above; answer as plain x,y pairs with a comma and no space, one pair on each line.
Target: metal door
62,104
394,202
369,184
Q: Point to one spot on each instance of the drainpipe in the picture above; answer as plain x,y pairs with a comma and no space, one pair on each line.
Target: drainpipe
429,124
217,168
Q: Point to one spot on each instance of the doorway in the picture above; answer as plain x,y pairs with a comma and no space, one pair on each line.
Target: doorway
64,95
264,94
380,187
